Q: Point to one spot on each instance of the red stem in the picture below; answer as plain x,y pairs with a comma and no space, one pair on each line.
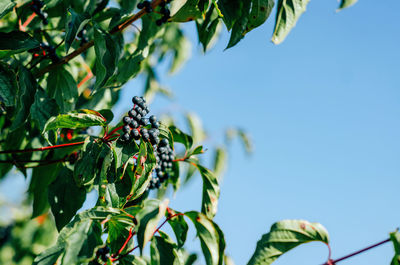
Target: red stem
41,148
113,131
155,231
332,262
125,243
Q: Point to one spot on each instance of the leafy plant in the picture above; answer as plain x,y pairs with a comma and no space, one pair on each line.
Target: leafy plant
63,64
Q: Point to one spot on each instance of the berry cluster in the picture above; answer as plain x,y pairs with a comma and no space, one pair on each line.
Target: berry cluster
36,7
146,5
164,157
136,127
135,124
166,14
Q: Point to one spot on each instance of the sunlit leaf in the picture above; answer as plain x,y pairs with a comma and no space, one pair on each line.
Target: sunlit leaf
73,121
346,3
149,217
284,236
288,12
211,238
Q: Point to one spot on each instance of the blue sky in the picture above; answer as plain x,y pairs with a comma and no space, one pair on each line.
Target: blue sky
322,109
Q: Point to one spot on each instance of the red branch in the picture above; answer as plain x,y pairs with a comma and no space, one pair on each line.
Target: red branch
333,262
41,148
89,44
155,231
124,245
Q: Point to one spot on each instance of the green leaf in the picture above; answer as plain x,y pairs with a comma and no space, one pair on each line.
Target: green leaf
207,28
211,238
8,84
141,173
230,10
6,6
129,67
107,191
288,12
196,127
128,5
346,3
78,240
43,108
49,256
181,137
75,24
284,236
91,161
124,151
220,161
75,240
164,251
188,12
231,133
179,226
118,232
62,87
16,42
153,211
25,96
65,197
132,260
395,238
248,145
73,121
149,32
259,13
38,187
211,190
252,14
195,151
240,23
107,49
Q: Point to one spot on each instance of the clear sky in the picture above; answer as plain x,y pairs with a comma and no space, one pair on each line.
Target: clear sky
322,109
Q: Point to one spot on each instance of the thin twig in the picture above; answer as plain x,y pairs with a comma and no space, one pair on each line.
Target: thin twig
41,148
333,262
89,44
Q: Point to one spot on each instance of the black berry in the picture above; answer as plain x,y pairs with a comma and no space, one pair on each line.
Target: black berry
125,137
126,120
126,129
152,119
164,142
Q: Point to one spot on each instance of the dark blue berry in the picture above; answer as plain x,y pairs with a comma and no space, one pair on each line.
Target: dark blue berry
134,124
132,113
144,121
140,5
152,119
155,125
145,136
125,137
126,120
126,129
135,134
164,142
